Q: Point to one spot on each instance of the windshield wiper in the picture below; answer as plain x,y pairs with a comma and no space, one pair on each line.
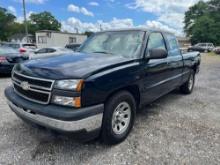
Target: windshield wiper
102,52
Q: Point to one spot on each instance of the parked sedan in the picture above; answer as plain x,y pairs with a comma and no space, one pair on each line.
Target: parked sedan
48,52
202,47
24,48
217,50
8,58
73,47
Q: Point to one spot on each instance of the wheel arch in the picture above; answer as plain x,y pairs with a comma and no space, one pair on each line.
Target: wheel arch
132,89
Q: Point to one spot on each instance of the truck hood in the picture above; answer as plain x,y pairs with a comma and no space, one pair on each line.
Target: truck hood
76,65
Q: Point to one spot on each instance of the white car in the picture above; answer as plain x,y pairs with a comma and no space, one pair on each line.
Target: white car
48,52
217,50
23,48
202,47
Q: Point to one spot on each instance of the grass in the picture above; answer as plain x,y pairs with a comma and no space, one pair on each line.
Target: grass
212,54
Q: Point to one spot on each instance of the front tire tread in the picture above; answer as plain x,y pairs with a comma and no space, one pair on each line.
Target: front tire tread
107,134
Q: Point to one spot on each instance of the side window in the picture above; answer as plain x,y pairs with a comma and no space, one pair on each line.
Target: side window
44,50
174,49
210,45
72,40
156,41
172,42
42,39
50,50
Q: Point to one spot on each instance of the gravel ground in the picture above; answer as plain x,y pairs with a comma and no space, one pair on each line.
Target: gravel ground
176,129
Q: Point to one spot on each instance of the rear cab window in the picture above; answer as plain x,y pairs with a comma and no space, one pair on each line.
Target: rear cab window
173,45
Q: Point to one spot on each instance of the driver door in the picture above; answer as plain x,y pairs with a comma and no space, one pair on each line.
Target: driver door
156,71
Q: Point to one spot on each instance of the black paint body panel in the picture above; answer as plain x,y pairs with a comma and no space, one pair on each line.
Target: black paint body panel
105,74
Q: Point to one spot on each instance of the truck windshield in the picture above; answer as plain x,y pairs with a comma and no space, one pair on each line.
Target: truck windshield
126,43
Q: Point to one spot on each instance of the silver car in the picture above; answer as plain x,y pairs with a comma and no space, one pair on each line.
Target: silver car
24,48
48,52
202,47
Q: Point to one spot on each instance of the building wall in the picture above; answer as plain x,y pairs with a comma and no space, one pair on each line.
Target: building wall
23,40
52,39
184,42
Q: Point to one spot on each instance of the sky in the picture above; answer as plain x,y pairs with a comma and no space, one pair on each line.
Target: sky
93,15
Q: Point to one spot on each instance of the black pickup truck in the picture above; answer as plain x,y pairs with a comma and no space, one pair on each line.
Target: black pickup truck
101,87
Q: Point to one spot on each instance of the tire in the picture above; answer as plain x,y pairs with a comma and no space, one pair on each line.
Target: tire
188,86
120,111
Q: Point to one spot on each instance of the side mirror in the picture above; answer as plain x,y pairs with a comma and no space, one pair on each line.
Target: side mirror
157,53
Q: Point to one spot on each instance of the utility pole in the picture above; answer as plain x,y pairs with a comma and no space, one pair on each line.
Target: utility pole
25,21
100,27
77,30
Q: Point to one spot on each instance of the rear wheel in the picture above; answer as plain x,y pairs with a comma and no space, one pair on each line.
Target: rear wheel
187,87
118,117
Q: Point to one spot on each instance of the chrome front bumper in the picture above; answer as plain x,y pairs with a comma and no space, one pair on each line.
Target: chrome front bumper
89,124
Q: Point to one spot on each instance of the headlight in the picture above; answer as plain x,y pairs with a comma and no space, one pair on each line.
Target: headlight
69,84
67,101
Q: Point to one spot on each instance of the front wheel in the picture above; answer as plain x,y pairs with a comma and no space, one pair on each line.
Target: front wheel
118,118
188,86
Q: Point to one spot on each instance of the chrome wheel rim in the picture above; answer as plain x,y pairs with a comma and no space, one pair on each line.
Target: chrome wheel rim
121,118
190,85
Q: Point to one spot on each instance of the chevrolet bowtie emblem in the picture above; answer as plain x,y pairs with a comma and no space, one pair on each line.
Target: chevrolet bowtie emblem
25,85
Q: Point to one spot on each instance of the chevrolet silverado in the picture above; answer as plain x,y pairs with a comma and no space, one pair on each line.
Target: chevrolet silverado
101,87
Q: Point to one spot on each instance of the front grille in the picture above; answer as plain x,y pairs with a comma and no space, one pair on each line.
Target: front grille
41,97
46,84
35,89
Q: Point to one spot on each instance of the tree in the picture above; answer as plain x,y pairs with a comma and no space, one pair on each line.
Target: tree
6,22
16,28
88,33
204,30
44,21
40,21
202,22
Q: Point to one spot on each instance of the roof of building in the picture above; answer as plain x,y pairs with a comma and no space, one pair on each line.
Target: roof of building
19,36
53,31
183,38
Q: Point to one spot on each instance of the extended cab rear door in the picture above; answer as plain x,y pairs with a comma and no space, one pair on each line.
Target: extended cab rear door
174,60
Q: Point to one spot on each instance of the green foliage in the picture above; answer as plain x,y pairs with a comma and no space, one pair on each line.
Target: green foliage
6,23
202,22
88,33
44,21
40,21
